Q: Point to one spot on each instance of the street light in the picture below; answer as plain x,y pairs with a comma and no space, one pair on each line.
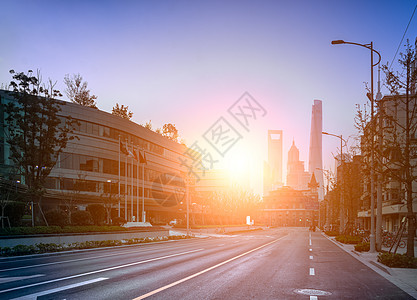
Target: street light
342,211
371,98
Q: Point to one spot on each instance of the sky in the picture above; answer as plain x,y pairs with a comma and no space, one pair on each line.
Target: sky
187,62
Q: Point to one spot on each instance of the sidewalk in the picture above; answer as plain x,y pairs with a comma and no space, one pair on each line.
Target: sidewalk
405,279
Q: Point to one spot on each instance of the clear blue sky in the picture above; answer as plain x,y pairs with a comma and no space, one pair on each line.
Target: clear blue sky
186,62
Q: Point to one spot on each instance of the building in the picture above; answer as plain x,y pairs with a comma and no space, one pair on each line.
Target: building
315,161
390,140
297,177
273,168
288,207
92,168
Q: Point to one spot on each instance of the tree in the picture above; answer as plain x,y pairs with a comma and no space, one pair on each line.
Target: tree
122,111
399,151
148,125
35,133
78,92
170,131
98,213
8,197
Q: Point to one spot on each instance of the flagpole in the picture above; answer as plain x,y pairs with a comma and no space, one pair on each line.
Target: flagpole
118,214
131,189
143,190
137,188
126,185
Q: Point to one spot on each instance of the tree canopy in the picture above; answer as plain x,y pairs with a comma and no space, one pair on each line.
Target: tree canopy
122,111
35,132
78,92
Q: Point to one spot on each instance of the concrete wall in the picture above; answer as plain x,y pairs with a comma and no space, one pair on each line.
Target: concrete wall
68,239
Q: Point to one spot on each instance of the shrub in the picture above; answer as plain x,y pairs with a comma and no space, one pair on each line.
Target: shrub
98,213
23,250
349,239
81,217
362,247
49,247
118,221
331,233
397,260
56,217
15,212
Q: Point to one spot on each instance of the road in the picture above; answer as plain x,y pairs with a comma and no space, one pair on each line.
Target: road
286,263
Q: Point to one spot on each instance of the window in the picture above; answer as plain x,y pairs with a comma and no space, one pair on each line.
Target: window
83,126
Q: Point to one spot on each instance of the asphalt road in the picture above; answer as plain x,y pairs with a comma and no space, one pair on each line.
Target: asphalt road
289,263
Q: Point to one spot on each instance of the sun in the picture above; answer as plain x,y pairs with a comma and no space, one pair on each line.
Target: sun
237,164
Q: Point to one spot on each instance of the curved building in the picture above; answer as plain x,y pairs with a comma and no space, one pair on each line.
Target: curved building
96,168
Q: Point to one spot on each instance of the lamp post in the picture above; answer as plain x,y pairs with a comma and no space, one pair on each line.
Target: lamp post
342,209
188,182
111,205
371,98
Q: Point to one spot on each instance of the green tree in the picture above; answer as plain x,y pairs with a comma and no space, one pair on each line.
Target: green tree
36,135
78,92
98,213
122,111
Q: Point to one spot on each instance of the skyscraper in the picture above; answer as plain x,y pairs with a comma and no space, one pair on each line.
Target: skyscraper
273,168
315,163
297,178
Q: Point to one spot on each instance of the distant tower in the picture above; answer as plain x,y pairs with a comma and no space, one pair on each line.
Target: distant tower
315,164
273,168
297,178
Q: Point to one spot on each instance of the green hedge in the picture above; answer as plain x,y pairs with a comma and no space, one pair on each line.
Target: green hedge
362,247
397,260
58,229
349,239
52,247
332,233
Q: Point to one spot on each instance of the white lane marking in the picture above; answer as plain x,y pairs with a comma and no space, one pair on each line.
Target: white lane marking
202,272
309,238
67,261
62,288
99,271
9,279
220,245
313,298
310,249
311,256
312,271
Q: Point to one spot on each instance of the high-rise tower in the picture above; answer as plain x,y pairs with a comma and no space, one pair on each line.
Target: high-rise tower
273,168
315,163
297,178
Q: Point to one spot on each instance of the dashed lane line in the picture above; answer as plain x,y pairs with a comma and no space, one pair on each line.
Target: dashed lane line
202,272
312,271
311,256
62,288
68,261
98,271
